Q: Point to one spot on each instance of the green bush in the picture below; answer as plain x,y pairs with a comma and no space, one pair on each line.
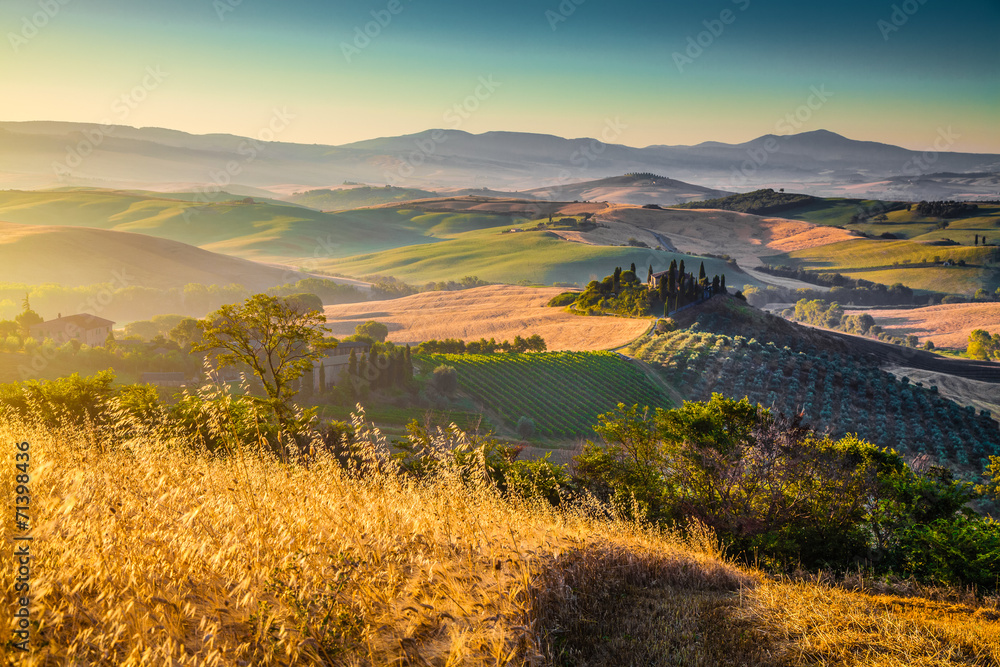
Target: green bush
564,299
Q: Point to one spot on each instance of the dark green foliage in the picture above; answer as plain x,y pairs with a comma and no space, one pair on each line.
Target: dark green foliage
563,300
72,400
782,496
372,329
758,202
445,379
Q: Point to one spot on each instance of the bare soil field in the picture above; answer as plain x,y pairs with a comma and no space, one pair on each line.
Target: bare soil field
947,325
495,311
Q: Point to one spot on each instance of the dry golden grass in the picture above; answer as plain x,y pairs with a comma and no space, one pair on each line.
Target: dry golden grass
947,325
811,624
494,311
150,554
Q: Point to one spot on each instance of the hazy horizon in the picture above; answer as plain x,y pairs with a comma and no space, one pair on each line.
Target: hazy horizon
670,74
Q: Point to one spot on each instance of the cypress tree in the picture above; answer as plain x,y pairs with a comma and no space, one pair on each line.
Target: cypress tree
649,276
352,364
681,275
662,288
715,285
672,278
408,366
722,284
633,267
702,278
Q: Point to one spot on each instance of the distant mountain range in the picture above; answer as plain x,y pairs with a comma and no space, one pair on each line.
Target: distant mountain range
47,154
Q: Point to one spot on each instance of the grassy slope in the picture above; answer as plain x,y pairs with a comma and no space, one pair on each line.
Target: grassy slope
537,257
349,198
262,231
873,259
885,261
272,564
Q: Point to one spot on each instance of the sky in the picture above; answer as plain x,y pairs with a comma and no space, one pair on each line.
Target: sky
658,72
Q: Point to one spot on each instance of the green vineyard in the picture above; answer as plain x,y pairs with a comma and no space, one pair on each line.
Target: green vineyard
837,393
562,392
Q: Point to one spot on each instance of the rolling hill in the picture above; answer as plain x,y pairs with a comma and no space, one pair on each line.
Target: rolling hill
346,198
73,256
628,189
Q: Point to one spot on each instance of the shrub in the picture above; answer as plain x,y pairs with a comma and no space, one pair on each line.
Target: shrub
525,427
445,379
564,299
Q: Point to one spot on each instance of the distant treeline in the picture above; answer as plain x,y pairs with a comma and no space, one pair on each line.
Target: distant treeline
758,202
848,290
946,209
831,315
533,343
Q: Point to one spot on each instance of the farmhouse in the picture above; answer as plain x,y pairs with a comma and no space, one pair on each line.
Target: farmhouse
88,329
336,361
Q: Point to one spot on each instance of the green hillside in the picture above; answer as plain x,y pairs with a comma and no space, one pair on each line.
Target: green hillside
536,257
562,392
263,231
346,199
738,351
917,265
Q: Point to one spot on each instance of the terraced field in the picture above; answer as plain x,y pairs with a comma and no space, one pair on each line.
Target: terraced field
562,392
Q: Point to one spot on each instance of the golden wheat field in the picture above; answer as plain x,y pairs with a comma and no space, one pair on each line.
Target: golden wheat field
494,311
148,551
947,325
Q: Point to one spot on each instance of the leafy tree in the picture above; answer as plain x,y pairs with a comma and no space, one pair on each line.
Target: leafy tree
445,379
186,332
27,318
372,329
275,338
305,301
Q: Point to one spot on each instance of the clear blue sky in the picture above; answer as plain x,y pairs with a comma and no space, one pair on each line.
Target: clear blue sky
561,68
